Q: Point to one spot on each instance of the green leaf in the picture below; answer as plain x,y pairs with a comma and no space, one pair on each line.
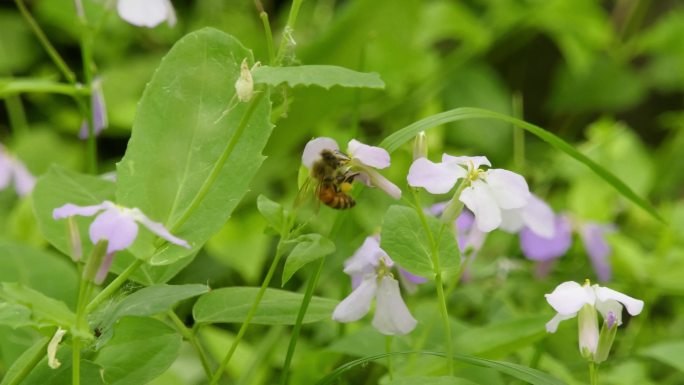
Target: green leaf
44,310
502,338
394,141
141,350
277,307
26,358
194,149
272,211
309,248
404,239
151,300
670,353
15,316
422,380
324,76
531,376
44,375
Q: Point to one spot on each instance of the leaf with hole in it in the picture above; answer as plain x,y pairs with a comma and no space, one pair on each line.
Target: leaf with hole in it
394,141
406,241
324,76
277,307
194,148
309,247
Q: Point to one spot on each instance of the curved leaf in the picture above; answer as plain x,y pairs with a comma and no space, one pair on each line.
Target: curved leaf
394,141
324,76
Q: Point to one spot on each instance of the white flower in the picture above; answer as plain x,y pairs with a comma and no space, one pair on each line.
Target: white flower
489,194
146,13
12,169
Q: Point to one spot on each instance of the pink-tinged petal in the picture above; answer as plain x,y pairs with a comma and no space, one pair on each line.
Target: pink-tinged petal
552,325
146,13
103,270
23,180
312,150
392,317
480,200
539,217
157,228
438,208
69,210
509,188
6,169
382,183
593,237
608,307
470,238
356,280
376,157
633,305
412,277
436,178
357,304
569,297
114,226
471,162
365,258
100,120
538,248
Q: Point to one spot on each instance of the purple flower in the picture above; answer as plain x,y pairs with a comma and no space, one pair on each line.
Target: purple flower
370,268
146,13
488,193
117,225
593,237
539,248
364,159
99,111
11,169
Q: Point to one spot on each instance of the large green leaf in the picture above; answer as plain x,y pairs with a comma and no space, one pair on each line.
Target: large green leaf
324,76
531,376
141,349
277,307
394,141
42,374
25,359
405,240
309,247
44,310
194,148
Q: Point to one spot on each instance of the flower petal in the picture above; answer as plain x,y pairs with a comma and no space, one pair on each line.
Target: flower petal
392,317
69,210
538,248
608,307
357,304
539,217
381,182
146,13
103,270
569,297
312,150
593,237
365,258
512,220
437,178
157,228
6,169
376,157
552,325
471,162
114,226
633,305
23,180
509,188
412,277
480,200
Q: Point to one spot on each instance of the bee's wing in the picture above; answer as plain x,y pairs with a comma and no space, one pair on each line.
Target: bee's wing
304,192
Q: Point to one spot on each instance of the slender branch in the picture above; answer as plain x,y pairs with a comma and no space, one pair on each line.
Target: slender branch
269,37
114,285
190,337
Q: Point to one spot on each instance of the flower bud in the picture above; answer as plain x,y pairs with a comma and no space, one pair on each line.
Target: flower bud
606,338
74,240
93,268
588,331
420,147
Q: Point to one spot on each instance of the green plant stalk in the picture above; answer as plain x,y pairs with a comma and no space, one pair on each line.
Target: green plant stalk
388,349
28,368
16,114
593,373
252,311
45,42
269,37
190,337
76,340
311,285
291,20
114,285
434,254
87,60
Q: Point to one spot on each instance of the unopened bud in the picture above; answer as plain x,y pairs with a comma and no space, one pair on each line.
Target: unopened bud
608,331
244,85
74,240
420,147
587,323
93,268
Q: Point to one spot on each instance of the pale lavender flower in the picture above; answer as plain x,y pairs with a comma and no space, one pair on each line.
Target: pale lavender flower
571,299
13,170
488,192
100,121
117,225
539,248
146,13
470,239
364,159
369,268
593,237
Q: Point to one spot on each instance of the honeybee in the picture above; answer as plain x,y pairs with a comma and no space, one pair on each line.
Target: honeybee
334,179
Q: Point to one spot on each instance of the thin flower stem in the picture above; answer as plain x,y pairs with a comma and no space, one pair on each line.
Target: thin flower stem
49,48
76,340
269,37
252,311
28,368
87,59
114,285
434,255
16,114
593,373
190,337
311,285
388,349
289,27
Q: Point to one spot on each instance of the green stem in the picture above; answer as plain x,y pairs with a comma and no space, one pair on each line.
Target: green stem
593,373
49,48
76,340
16,114
434,255
289,27
190,337
311,285
28,368
250,315
388,349
518,134
87,60
114,285
269,37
